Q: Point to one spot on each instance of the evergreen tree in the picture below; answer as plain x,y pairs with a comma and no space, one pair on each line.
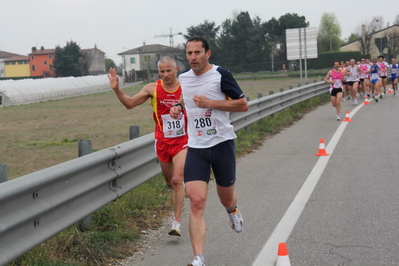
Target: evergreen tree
66,61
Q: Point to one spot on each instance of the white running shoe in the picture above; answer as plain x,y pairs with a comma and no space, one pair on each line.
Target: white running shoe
175,231
355,101
338,118
197,262
235,220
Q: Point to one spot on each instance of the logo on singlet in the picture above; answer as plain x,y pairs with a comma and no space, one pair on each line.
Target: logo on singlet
180,132
211,131
208,113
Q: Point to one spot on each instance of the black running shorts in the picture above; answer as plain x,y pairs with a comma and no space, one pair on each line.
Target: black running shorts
334,92
222,159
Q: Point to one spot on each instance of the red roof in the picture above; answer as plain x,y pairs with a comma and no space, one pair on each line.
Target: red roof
17,58
44,51
4,54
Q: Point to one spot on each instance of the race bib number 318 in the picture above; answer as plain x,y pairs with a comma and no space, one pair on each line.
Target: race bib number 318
173,128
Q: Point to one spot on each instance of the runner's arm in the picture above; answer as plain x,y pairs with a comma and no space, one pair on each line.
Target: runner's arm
234,105
130,102
327,78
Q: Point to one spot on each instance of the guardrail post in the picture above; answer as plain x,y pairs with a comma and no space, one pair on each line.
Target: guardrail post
260,95
271,92
3,173
85,147
281,89
134,132
290,87
299,85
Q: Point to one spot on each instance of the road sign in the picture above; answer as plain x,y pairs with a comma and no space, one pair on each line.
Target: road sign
301,43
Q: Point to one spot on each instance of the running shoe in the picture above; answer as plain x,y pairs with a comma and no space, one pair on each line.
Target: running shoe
349,97
235,220
355,101
175,231
376,99
338,118
197,262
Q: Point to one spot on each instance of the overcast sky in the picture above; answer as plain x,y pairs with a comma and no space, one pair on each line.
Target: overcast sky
119,25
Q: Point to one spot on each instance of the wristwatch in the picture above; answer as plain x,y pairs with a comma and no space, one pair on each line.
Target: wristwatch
179,104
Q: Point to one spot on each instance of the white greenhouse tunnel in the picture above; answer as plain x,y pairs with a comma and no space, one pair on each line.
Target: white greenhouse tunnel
17,92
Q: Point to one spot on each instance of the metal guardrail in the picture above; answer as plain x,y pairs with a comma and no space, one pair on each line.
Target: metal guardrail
265,106
37,206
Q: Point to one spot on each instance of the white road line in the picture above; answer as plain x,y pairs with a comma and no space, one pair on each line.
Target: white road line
268,254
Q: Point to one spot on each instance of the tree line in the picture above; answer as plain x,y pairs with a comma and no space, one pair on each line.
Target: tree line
329,35
243,43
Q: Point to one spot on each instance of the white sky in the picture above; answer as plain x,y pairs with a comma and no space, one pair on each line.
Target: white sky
119,25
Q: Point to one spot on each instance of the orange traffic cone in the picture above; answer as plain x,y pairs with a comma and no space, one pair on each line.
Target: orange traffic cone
366,101
347,118
282,256
389,90
322,149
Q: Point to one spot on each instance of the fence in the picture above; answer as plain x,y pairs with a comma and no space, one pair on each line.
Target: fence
37,206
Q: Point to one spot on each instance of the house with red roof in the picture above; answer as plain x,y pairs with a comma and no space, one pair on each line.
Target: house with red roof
41,62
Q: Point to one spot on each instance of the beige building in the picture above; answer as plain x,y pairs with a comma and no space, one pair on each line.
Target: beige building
378,42
147,56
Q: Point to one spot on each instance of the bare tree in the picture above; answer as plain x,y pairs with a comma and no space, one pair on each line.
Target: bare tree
393,42
377,23
364,35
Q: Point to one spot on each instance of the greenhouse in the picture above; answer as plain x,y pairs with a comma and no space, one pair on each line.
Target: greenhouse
16,92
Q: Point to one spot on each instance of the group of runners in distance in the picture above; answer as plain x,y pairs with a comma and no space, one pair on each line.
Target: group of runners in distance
366,78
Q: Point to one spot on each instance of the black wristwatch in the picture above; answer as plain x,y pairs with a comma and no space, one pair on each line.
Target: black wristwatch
179,104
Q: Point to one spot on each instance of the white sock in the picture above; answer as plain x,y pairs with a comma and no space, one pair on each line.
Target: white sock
201,257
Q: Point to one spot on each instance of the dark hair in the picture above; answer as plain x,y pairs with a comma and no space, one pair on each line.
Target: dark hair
336,61
381,56
205,43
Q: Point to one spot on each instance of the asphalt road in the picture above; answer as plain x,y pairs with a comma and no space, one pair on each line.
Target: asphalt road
346,213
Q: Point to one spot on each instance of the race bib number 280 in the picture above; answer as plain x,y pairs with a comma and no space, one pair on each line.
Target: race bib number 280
203,124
